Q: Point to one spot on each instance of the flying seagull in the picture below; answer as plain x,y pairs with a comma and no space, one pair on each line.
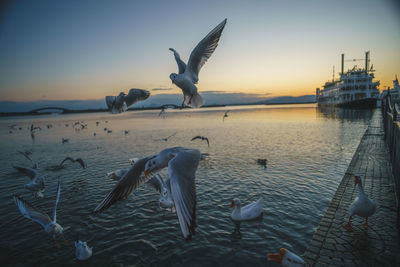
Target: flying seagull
36,185
166,138
73,160
121,103
49,225
202,138
182,165
188,74
225,115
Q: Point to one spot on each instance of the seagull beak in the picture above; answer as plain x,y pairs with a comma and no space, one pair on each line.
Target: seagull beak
232,204
277,257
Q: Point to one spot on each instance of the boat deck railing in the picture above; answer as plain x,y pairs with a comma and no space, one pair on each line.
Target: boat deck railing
391,122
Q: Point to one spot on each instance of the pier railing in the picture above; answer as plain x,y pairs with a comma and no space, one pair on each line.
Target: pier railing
391,121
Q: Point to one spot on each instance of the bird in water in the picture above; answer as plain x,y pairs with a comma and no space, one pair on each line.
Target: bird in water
65,140
82,250
201,138
188,74
286,258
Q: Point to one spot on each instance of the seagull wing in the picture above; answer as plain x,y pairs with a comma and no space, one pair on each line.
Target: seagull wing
30,212
181,64
67,158
129,182
203,51
196,137
156,182
110,100
57,199
81,162
181,172
31,173
136,95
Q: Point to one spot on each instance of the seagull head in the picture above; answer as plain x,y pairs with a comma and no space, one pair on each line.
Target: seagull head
173,76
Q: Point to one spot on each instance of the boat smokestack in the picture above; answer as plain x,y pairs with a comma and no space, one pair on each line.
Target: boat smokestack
367,61
342,64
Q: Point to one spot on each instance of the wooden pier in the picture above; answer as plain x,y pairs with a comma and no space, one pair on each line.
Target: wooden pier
332,244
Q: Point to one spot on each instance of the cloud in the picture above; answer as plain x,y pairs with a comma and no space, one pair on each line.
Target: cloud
161,89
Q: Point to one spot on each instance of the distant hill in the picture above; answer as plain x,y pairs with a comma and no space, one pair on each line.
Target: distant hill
210,97
290,100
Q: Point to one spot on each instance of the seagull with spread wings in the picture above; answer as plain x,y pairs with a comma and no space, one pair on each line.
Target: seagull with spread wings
182,165
121,102
201,138
73,160
188,74
36,185
50,225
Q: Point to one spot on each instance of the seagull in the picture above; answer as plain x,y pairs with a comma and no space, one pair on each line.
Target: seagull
262,162
202,138
36,185
49,225
109,131
73,160
189,74
164,189
26,155
166,139
286,258
182,165
97,123
225,115
82,251
65,140
121,103
126,132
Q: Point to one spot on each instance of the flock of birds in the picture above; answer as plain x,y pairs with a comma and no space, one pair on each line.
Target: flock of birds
178,191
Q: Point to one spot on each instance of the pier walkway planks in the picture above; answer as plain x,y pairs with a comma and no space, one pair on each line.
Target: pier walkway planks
332,244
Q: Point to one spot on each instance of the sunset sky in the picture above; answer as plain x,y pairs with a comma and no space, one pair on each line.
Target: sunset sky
60,50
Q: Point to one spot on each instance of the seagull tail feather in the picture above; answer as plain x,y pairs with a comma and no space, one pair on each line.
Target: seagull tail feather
196,101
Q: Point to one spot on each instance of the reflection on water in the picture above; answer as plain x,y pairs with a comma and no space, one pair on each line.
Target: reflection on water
308,151
344,114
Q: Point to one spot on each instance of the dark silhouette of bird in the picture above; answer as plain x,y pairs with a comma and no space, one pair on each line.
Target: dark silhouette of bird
262,162
225,115
65,140
73,160
165,139
202,138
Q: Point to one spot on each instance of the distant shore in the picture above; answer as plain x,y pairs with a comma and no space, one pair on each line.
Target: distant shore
38,112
